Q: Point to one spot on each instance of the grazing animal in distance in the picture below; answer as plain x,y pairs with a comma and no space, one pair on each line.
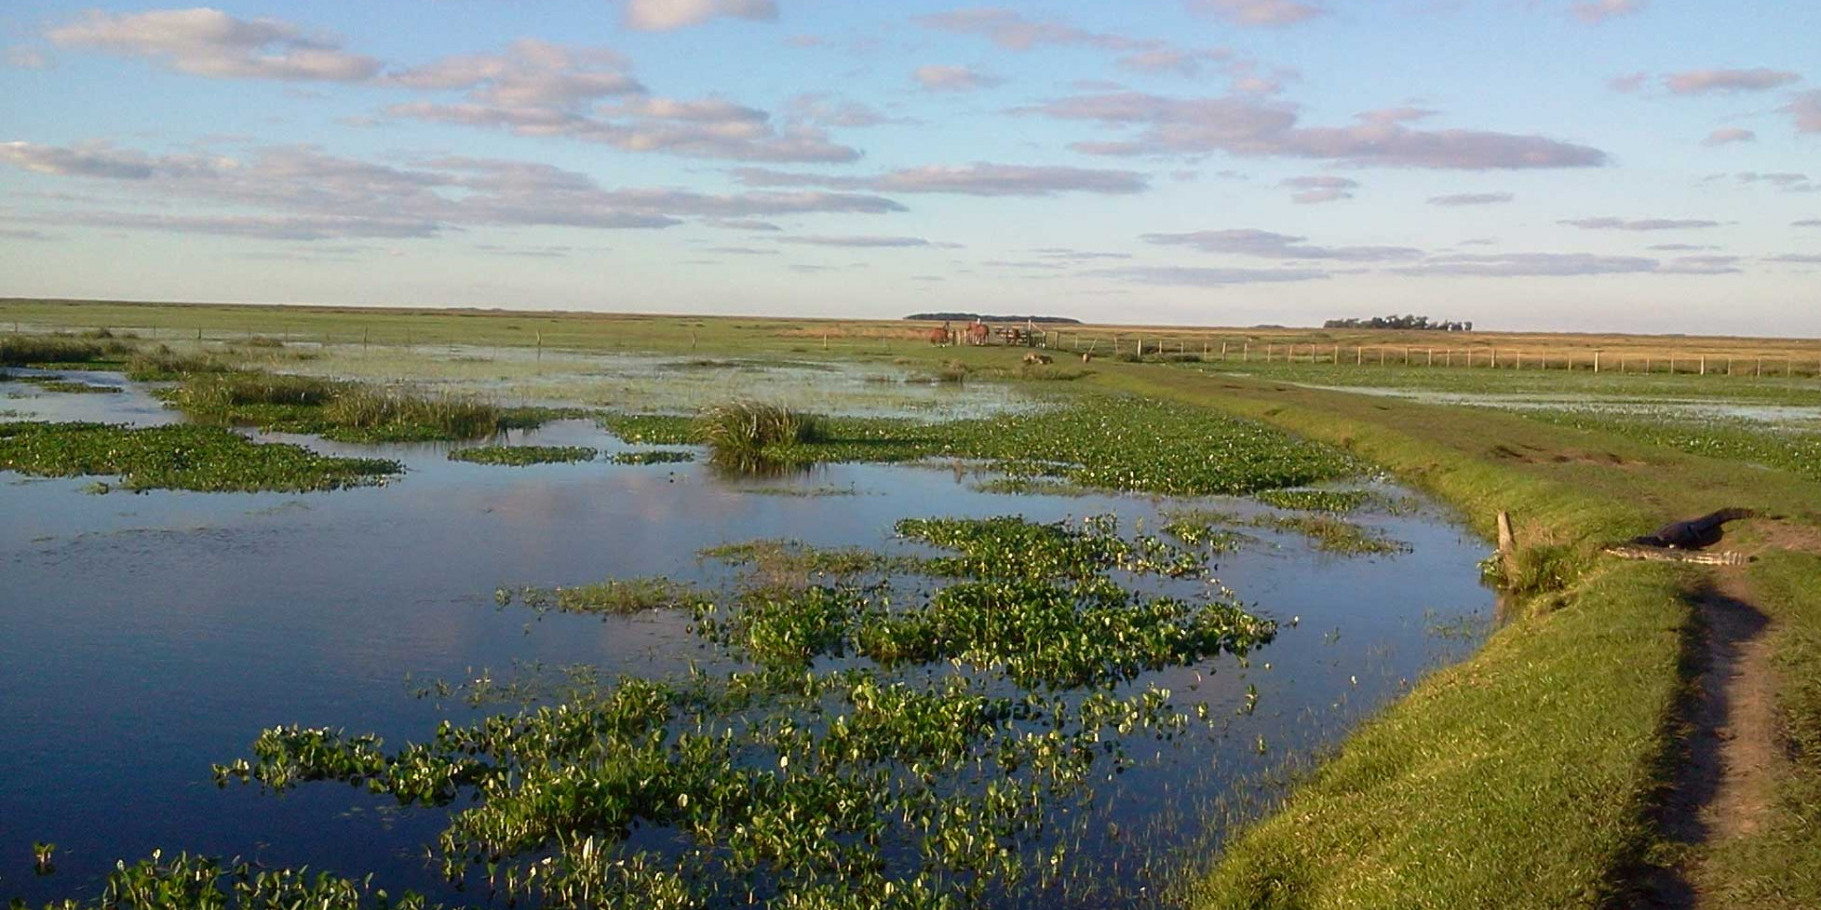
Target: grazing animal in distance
941,337
1033,359
1087,357
1694,533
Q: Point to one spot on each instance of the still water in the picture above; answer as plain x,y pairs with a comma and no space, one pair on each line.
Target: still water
145,636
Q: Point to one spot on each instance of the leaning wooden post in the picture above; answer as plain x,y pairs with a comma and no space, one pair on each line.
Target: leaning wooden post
1596,361
1703,364
1507,544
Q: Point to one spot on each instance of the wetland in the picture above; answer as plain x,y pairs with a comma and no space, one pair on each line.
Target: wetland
1031,645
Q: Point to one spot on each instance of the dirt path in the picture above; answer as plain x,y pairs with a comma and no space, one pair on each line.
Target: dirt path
1727,781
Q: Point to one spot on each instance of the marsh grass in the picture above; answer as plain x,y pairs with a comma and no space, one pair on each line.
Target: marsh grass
31,350
745,433
345,411
520,456
162,364
179,457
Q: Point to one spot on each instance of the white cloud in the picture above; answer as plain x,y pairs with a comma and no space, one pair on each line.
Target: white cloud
1457,199
861,241
1727,135
1270,245
209,42
1805,108
1609,223
978,179
301,193
1319,189
1245,126
26,58
1709,81
666,15
1259,12
937,78
1517,265
1596,11
531,73
1187,276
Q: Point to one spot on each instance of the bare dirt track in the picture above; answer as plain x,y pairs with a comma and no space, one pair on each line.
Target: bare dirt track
1732,754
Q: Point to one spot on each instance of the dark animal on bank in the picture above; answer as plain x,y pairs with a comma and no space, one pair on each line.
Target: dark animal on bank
1035,359
1694,533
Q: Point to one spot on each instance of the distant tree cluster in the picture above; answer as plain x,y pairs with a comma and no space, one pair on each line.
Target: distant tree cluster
970,317
1421,323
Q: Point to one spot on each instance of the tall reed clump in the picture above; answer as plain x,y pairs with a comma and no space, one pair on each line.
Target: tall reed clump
238,389
745,434
443,417
21,350
163,364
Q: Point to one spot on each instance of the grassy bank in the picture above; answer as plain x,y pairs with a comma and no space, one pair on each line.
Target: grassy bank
1516,779
1528,775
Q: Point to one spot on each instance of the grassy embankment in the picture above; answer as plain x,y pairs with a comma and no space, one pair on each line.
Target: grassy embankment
1528,775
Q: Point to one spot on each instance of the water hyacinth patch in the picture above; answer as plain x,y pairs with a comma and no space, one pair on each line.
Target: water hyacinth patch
814,773
1315,500
653,456
180,457
1097,441
520,456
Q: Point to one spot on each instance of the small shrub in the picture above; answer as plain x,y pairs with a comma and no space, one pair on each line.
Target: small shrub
738,433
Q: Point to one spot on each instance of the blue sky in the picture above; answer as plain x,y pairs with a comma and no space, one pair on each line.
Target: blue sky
1580,165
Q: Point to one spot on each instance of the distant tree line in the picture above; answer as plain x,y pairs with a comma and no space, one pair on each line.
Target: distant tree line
1398,322
970,317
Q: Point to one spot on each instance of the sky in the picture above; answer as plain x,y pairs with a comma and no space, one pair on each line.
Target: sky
1568,165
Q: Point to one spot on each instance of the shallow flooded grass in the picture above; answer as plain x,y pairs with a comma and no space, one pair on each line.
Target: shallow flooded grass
1097,441
615,597
520,456
653,456
70,387
338,410
179,457
1315,500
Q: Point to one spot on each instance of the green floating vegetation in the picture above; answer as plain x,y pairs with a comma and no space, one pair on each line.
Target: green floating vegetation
187,882
617,596
653,456
520,456
1334,535
343,411
775,558
69,386
1206,528
1315,500
179,457
797,782
1101,441
1212,528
